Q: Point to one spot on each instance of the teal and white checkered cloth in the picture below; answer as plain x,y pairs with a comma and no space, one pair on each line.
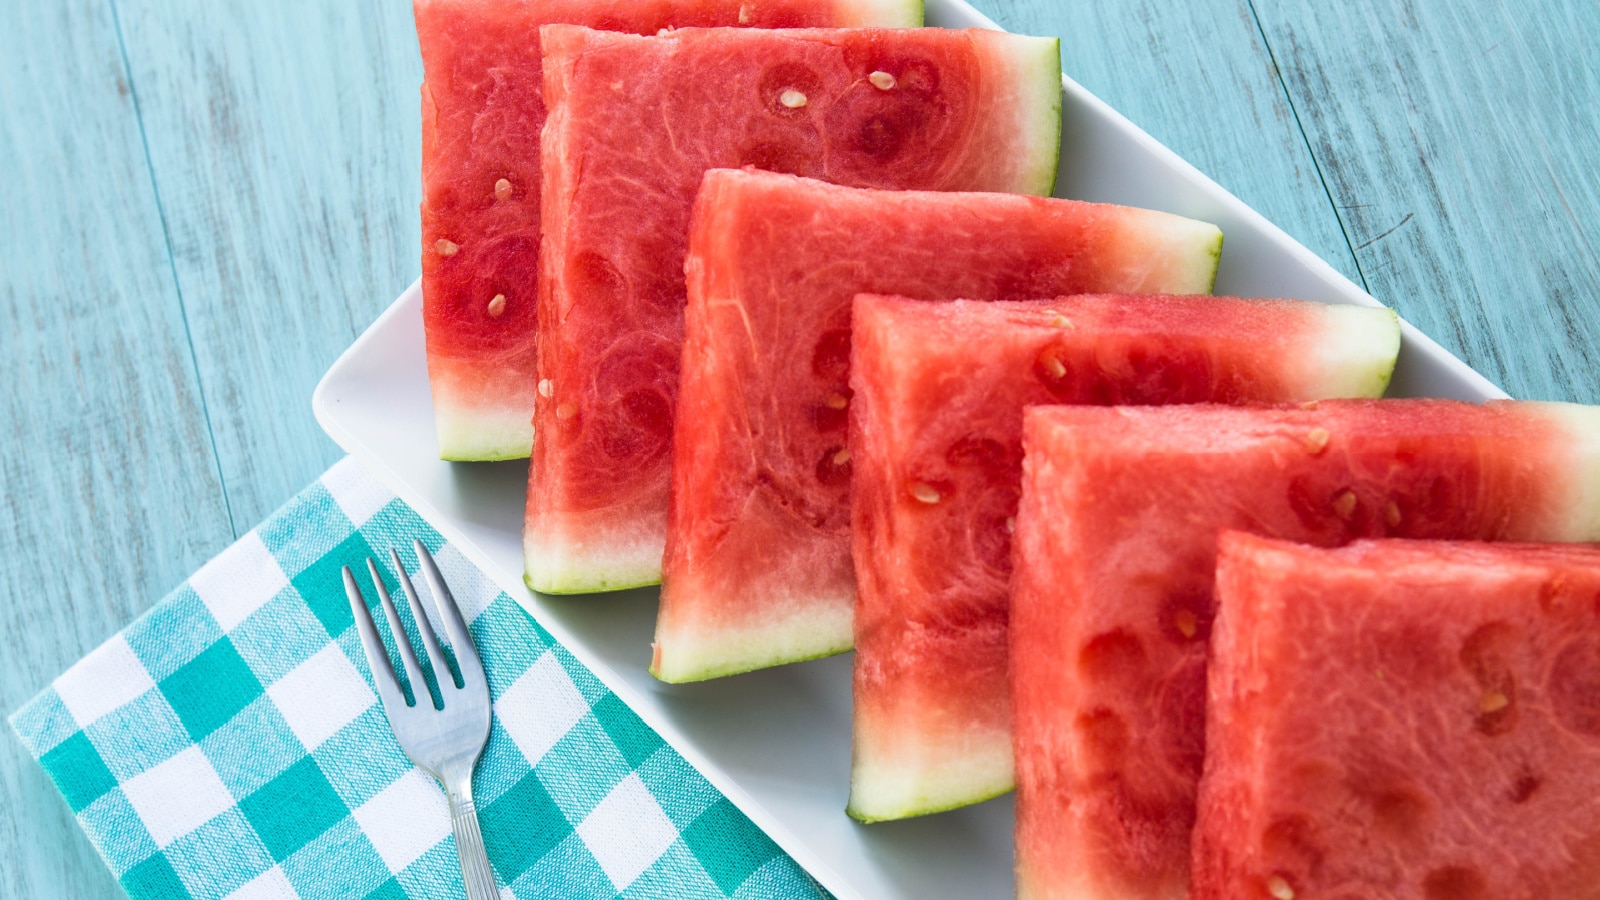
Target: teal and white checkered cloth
229,744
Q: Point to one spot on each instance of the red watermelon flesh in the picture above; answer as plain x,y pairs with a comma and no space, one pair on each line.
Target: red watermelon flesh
1412,720
1115,553
757,569
634,124
482,111
938,470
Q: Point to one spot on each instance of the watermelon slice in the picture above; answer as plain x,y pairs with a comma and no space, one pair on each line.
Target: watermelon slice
641,120
482,110
757,569
1115,551
1402,719
938,469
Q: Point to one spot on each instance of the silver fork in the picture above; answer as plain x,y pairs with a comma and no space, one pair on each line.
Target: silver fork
445,743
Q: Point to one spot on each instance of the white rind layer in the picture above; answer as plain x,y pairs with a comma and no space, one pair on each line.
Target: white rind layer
880,13
482,434
1182,254
1582,424
1037,64
1354,356
587,568
884,785
698,651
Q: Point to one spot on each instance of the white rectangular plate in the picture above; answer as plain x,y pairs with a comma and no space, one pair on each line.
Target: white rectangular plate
778,742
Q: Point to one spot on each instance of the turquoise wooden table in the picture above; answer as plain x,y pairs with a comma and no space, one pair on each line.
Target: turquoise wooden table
204,201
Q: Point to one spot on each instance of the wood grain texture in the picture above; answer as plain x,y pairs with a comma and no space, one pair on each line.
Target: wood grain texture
285,142
1458,140
1455,140
110,488
1197,76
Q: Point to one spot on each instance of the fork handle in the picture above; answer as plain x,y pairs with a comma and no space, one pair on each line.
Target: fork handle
475,872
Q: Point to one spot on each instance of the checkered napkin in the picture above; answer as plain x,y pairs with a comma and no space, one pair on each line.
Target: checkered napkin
229,743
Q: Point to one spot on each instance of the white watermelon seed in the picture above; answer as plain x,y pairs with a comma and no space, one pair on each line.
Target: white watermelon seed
837,401
1011,524
1493,702
842,457
1316,439
792,98
744,14
547,388
446,248
1061,322
881,80
566,411
1279,888
663,32
497,306
1309,404
1344,504
502,190
924,492
1056,367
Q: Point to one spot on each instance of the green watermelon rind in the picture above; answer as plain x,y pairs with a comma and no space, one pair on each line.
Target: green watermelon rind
709,673
750,648
577,585
1582,512
914,809
911,812
1359,357
1215,252
626,566
1042,105
480,438
891,13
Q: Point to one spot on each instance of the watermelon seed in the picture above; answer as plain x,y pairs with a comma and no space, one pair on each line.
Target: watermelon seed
1011,524
1493,702
1391,514
881,80
1054,366
837,401
446,248
566,411
1186,623
924,492
1344,504
744,14
547,388
792,98
1279,888
497,306
1061,322
1316,439
842,457
1309,404
502,190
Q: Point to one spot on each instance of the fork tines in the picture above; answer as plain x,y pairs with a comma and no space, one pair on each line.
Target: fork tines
471,677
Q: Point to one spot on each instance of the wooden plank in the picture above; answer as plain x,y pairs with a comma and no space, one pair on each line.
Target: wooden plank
1459,143
1198,77
285,141
109,493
